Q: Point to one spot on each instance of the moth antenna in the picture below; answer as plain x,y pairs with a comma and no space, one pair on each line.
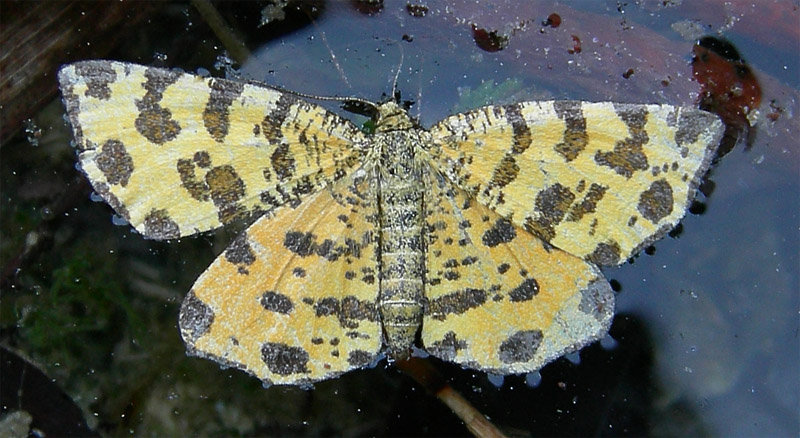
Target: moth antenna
335,61
325,98
419,92
397,73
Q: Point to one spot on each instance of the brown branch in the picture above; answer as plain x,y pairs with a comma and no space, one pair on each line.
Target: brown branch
426,375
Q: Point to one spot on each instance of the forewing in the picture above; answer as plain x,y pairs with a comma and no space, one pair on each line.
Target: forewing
598,180
176,154
293,300
500,299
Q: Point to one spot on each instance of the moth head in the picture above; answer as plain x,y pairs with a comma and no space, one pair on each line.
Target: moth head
393,117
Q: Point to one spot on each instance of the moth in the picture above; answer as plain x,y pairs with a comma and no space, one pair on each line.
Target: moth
479,239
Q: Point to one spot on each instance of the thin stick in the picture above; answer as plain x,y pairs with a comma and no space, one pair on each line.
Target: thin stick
232,43
426,375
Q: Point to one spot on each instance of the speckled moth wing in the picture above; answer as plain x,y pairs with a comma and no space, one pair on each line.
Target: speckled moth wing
498,298
175,154
598,180
293,300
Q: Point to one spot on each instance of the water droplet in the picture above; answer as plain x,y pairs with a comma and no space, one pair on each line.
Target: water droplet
574,357
118,220
495,379
608,343
533,379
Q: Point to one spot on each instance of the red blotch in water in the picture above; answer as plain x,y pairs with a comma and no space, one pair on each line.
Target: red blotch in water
775,111
576,47
628,73
489,41
728,87
553,20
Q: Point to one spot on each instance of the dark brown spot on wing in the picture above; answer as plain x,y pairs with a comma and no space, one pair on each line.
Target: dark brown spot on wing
272,124
504,173
468,260
628,156
217,111
359,358
226,190
103,190
240,253
197,189
158,79
451,275
501,232
299,243
202,159
525,291
158,225
355,309
520,347
283,162
115,162
551,205
521,133
196,318
284,359
349,310
455,303
597,300
692,123
98,75
605,254
447,348
305,244
575,136
656,202
588,204
276,302
155,122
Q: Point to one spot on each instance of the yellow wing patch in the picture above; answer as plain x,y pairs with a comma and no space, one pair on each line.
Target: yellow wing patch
481,235
294,298
175,154
598,180
499,299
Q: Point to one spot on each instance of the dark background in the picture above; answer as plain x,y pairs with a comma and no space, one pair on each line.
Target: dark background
707,337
